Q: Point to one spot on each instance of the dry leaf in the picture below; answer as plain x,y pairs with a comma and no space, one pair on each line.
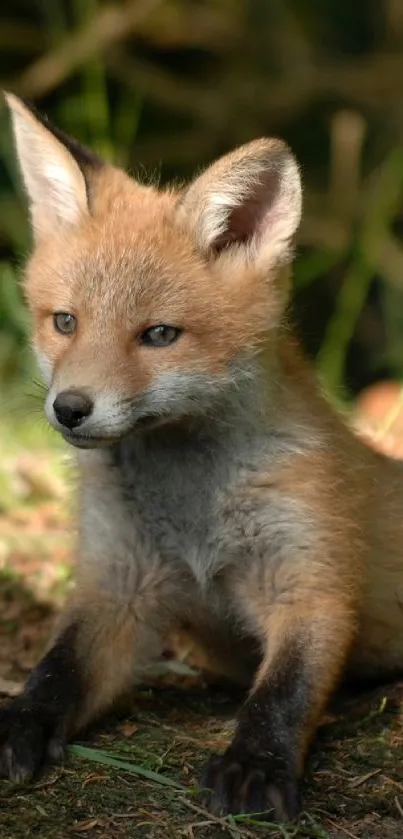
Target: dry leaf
87,824
8,688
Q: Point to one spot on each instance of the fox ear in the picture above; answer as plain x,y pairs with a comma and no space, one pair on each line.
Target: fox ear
250,198
53,179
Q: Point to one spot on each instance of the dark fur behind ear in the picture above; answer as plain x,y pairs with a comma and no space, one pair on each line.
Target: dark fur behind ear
84,157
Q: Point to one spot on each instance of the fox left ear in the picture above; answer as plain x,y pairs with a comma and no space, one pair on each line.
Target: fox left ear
250,199
53,179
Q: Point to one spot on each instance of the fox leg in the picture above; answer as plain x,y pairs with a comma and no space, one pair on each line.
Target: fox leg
101,644
305,648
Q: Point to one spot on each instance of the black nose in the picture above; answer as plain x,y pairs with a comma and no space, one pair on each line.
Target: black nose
72,407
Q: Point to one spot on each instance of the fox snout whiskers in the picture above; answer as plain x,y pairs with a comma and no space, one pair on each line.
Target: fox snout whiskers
89,420
86,419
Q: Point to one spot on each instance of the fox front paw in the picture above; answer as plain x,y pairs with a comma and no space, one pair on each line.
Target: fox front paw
239,783
28,740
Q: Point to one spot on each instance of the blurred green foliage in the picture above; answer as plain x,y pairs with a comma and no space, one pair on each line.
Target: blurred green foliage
169,84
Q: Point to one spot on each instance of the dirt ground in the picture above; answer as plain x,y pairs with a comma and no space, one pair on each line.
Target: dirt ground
136,775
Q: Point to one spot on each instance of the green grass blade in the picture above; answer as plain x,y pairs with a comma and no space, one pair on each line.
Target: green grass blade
106,758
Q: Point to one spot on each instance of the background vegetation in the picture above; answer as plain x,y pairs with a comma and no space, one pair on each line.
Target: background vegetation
169,84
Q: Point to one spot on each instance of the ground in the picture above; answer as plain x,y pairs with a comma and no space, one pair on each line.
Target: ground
136,775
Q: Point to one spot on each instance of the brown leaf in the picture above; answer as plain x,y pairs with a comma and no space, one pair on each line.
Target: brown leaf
93,778
87,824
8,688
128,728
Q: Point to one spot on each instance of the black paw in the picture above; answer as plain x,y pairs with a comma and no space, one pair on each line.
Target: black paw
236,783
27,741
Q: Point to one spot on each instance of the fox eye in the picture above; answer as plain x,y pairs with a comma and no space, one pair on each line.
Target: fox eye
64,323
160,336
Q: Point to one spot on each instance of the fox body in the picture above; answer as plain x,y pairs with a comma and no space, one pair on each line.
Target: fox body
218,490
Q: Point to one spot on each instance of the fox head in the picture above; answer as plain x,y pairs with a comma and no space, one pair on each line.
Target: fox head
147,304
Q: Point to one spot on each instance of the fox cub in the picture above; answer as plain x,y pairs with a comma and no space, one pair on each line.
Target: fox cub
218,491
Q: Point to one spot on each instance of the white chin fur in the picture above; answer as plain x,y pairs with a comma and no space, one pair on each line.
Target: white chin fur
88,442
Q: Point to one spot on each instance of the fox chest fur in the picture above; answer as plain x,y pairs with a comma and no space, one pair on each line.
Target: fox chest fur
186,500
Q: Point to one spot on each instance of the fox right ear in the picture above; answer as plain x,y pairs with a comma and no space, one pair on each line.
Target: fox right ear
249,200
54,182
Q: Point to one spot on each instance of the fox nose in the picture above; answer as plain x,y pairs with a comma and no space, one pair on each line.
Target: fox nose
71,407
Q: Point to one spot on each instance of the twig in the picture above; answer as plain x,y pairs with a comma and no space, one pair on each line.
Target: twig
343,829
210,819
180,735
358,781
124,815
399,806
163,87
393,782
347,137
110,25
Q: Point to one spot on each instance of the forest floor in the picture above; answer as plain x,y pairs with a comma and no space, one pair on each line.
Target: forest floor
136,774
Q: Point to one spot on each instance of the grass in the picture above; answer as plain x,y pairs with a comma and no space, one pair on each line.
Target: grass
116,760
106,789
